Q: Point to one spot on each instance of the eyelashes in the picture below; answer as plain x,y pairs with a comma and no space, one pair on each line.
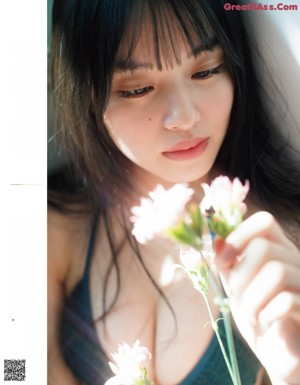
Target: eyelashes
208,73
200,75
137,93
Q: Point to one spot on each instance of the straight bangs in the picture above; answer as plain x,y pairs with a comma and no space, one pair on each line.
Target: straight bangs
160,28
104,35
91,38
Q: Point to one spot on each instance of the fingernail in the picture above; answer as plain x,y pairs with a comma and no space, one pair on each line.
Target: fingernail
228,252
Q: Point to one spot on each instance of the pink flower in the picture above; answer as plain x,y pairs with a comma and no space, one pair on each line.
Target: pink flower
159,212
225,199
127,368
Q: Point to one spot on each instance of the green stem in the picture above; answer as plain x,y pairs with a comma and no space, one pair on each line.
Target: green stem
215,285
215,327
228,329
231,348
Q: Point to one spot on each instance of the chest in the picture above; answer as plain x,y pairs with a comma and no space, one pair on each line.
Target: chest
157,305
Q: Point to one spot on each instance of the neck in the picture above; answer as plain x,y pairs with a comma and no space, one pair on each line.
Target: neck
143,182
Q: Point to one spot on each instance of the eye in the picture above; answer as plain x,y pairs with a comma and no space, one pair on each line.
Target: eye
137,93
208,73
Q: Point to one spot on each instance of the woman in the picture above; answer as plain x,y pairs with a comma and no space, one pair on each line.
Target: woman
150,92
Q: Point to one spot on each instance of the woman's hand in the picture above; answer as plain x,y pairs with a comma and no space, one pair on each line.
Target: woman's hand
260,269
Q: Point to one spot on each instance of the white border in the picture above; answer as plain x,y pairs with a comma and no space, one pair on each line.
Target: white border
23,127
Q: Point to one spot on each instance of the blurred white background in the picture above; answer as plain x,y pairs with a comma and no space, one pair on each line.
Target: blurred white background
23,143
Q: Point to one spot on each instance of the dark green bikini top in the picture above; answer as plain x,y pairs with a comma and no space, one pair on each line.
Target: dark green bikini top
83,353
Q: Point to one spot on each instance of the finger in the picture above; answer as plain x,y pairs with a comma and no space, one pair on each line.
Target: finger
284,305
257,253
279,350
274,277
261,224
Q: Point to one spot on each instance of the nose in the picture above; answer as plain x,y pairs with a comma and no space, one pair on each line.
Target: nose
182,111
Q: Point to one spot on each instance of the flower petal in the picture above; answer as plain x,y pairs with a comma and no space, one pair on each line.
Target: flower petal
160,211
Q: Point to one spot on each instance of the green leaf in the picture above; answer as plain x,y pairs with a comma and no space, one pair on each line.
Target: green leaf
203,270
183,233
198,219
219,226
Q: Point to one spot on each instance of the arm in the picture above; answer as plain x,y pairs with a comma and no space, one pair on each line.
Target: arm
60,230
58,371
260,269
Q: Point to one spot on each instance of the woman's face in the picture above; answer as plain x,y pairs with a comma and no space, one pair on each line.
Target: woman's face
171,123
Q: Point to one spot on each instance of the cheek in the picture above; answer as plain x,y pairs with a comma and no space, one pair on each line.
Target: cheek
128,129
223,95
221,101
120,123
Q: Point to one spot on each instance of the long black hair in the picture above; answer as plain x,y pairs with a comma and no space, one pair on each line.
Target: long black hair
87,35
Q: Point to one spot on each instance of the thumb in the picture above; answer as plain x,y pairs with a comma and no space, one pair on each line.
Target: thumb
224,254
224,260
218,244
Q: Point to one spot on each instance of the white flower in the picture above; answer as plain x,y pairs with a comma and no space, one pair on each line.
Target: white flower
190,258
225,198
127,367
160,211
196,265
207,248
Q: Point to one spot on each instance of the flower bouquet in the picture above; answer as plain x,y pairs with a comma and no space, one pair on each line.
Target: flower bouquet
175,215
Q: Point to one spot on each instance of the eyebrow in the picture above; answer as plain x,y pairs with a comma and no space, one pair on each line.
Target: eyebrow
129,65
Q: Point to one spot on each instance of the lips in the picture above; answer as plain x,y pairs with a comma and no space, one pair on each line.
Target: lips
186,150
186,145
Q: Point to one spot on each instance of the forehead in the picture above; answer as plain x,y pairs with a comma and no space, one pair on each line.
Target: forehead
161,38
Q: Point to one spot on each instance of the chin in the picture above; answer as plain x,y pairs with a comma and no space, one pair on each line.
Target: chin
187,179
171,176
190,176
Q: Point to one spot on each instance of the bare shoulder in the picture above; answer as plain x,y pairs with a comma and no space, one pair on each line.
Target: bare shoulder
68,236
67,240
